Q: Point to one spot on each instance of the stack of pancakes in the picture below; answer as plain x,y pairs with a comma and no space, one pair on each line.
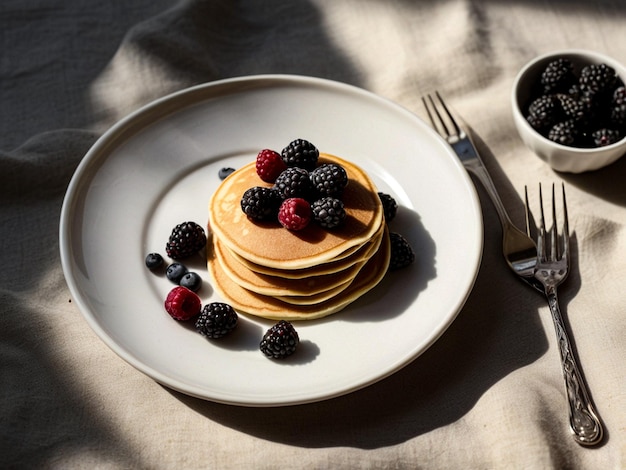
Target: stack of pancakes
266,270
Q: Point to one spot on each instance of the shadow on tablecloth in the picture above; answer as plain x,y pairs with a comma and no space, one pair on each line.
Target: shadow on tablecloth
497,332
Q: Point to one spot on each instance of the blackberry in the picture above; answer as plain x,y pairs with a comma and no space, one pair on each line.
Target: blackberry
597,79
540,123
300,153
328,212
618,106
185,240
294,182
154,261
603,137
175,272
619,95
280,341
574,91
544,104
558,76
329,179
618,115
592,110
390,206
564,133
572,108
402,254
544,112
216,320
582,111
260,203
191,281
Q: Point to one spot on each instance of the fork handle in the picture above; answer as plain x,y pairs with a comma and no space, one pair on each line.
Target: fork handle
584,421
473,163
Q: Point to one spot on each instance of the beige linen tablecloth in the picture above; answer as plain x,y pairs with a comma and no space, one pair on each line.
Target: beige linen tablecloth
488,394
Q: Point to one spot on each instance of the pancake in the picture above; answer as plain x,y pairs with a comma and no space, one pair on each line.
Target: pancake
278,286
269,307
362,253
269,244
316,298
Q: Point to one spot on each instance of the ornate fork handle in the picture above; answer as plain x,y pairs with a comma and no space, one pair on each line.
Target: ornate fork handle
584,422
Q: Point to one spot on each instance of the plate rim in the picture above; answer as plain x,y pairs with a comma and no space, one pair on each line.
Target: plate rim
98,153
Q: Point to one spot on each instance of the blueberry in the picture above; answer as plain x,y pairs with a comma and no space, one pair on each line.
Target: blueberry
191,281
175,272
154,260
224,172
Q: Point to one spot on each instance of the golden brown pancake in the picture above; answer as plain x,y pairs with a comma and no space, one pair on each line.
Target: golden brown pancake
250,302
277,286
363,253
315,298
269,244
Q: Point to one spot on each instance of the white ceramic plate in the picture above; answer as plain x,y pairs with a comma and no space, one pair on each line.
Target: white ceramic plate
159,167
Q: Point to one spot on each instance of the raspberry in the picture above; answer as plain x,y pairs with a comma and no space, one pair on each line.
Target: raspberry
260,203
294,213
329,179
182,304
269,165
402,254
280,341
185,240
216,320
328,212
294,182
390,206
300,153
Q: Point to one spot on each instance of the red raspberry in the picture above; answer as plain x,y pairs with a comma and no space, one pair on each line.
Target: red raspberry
269,165
294,213
182,304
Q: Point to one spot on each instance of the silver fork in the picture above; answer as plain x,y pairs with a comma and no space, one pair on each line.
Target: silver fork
518,248
551,270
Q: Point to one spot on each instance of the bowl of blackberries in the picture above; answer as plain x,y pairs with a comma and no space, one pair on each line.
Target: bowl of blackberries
569,108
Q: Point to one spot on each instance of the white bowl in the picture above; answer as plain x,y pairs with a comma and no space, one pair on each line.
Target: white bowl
561,157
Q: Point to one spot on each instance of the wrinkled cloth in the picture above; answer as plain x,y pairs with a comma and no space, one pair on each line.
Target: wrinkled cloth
488,394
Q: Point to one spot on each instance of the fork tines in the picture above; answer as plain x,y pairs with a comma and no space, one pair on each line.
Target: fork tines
440,116
556,250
